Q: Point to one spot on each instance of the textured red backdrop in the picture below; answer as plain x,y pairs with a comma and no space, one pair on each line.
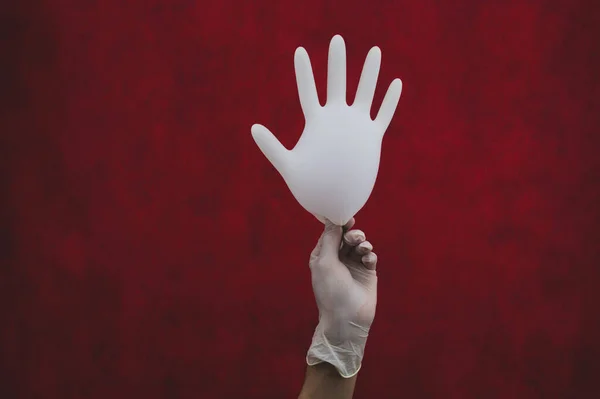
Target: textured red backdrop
149,250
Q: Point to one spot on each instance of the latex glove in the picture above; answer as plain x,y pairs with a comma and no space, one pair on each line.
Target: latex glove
333,167
345,286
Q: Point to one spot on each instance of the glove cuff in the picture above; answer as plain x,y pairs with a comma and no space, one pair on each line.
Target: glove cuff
345,356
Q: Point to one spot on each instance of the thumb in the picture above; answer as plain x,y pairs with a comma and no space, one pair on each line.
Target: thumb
331,240
275,152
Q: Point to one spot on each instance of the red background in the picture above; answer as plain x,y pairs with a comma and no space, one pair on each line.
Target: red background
150,250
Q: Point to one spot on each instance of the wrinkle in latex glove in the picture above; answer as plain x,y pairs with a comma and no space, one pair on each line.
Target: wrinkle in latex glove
332,169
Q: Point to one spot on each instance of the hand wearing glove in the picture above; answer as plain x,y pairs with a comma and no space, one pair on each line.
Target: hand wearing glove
345,286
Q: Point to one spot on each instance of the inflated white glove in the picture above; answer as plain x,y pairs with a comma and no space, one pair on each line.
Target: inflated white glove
345,286
332,169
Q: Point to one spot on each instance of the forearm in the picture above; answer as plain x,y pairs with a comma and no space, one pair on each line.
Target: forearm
324,381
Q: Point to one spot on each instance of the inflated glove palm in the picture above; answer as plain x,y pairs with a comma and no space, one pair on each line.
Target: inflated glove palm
333,167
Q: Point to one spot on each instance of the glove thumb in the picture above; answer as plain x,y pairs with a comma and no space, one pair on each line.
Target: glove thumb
331,240
275,152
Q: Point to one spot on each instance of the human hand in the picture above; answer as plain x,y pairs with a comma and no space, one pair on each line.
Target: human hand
320,170
345,286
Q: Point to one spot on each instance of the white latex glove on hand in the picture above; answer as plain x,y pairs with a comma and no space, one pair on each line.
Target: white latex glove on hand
345,286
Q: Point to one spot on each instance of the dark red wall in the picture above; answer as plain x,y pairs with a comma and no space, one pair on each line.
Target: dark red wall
149,250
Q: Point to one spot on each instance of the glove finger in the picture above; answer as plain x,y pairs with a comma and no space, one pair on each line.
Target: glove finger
389,104
307,90
271,147
354,237
363,248
331,240
370,260
351,239
349,225
368,80
336,71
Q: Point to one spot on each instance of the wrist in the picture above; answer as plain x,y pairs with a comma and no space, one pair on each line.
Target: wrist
339,331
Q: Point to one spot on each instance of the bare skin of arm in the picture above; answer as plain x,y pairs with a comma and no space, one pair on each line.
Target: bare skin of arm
324,382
